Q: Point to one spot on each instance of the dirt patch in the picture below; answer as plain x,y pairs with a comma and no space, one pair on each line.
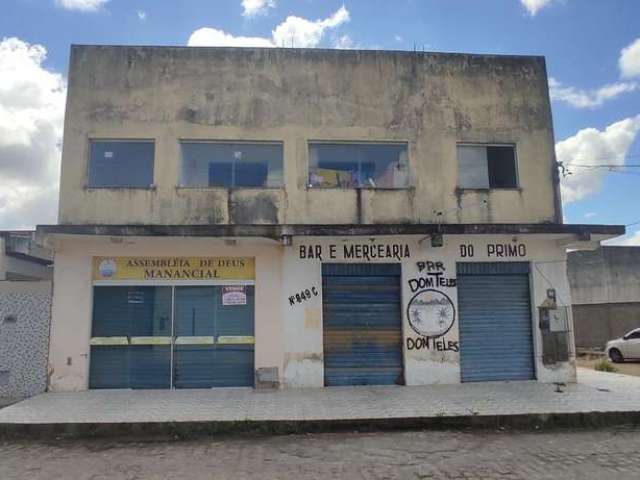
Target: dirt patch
626,368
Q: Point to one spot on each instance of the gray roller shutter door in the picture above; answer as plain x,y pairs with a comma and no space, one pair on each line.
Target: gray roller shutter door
494,305
362,324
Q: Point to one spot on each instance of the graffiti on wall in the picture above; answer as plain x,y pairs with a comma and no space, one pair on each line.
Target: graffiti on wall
430,312
435,344
433,275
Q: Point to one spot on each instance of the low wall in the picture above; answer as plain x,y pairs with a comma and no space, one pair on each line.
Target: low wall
25,312
596,324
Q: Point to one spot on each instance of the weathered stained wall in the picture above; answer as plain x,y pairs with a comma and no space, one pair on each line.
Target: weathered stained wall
596,324
423,364
606,275
605,287
429,100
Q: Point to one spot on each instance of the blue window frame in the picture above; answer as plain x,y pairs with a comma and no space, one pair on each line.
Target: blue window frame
121,163
231,165
358,165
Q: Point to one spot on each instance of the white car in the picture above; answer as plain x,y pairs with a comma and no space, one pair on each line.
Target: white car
625,348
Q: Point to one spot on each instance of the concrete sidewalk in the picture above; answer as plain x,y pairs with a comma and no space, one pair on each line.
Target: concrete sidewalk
598,399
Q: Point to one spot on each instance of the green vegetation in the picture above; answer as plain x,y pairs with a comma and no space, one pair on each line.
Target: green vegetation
605,366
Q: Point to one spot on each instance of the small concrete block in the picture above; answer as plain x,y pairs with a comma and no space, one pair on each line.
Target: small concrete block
267,377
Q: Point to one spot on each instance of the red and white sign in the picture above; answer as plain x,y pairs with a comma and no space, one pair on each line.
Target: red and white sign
234,295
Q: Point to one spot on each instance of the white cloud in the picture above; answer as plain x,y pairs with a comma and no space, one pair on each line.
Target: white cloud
344,42
534,6
628,240
398,39
591,146
82,5
31,116
300,32
251,8
294,31
142,15
590,214
629,62
579,98
210,37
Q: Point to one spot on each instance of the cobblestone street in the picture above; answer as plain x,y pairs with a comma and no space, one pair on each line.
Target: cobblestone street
581,454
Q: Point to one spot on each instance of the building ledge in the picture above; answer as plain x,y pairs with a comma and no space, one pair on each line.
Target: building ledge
582,232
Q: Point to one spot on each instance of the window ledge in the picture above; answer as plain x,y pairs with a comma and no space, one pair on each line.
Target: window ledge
487,190
351,189
149,188
195,187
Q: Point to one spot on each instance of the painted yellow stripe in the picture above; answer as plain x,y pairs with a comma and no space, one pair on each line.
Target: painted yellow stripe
223,340
109,341
194,341
150,340
232,339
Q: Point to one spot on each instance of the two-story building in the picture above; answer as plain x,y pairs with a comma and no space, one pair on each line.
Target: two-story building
320,217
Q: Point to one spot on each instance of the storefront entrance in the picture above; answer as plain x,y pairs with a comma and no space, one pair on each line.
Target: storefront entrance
362,329
172,336
496,341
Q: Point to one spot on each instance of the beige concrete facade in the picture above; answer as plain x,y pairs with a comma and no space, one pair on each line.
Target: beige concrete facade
431,101
289,335
72,306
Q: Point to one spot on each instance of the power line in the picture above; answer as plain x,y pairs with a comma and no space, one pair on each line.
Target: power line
568,172
625,173
612,157
605,165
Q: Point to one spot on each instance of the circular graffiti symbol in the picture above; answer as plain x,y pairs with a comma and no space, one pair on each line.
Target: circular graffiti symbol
431,313
107,268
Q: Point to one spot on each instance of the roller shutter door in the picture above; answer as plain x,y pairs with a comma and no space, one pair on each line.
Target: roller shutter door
362,324
494,307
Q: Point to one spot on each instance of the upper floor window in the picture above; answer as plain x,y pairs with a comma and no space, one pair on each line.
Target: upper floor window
231,165
487,166
121,163
358,165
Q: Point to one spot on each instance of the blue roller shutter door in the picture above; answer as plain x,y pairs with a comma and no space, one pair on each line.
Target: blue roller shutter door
362,324
494,307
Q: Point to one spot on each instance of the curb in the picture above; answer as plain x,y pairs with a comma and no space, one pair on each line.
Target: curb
533,422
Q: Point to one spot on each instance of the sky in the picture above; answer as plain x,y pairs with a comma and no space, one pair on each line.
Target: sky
592,50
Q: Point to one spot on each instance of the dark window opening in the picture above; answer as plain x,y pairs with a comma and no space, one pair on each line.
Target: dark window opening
114,163
492,166
502,167
231,165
